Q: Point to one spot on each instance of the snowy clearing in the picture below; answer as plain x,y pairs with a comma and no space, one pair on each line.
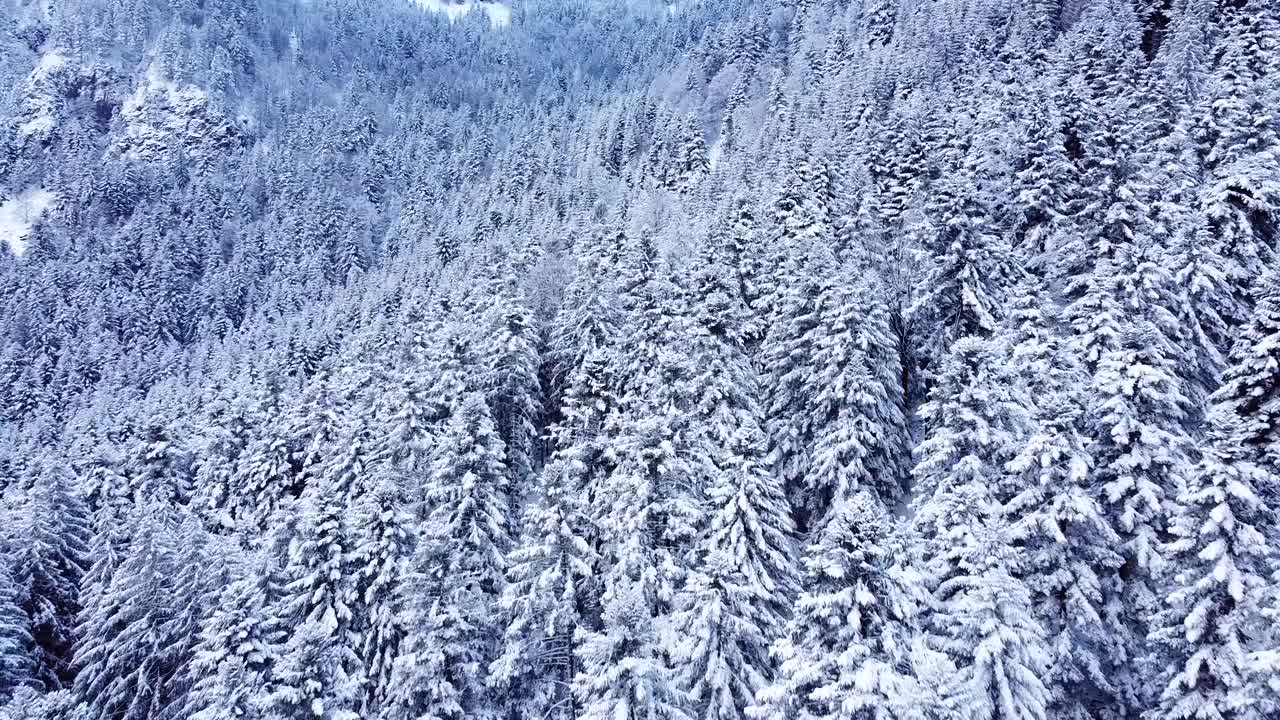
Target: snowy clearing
19,214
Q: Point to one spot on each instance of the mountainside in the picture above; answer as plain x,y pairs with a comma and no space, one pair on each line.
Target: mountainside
710,359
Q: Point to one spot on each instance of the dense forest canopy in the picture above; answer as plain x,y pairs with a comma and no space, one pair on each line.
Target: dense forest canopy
644,360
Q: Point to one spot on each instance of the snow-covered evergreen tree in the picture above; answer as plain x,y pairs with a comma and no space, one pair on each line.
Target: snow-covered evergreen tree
847,649
623,675
986,623
548,600
457,577
47,533
1212,617
384,539
237,647
735,603
15,640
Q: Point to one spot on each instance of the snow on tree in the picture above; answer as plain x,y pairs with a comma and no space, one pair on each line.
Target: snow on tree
1239,139
318,666
122,650
986,623
975,419
312,679
384,540
549,598
236,648
512,383
835,414
48,533
1068,548
622,674
457,576
847,649
1211,618
735,603
971,273
15,640
691,162
1251,384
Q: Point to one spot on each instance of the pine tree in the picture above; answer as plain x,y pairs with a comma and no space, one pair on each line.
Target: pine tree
199,573
975,419
1137,411
457,576
1251,386
971,273
846,652
318,664
623,675
313,679
1068,548
384,539
691,157
512,384
986,624
548,599
735,604
120,658
835,415
1239,140
1212,616
233,657
15,640
49,532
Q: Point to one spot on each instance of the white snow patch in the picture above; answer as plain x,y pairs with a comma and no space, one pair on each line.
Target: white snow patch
19,214
499,13
40,96
162,116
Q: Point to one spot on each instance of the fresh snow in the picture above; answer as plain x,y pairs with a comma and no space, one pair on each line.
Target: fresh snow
39,103
499,13
19,214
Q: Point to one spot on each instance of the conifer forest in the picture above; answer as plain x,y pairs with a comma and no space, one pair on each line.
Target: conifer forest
639,359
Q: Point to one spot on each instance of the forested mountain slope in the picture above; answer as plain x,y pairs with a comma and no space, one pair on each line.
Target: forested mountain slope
717,359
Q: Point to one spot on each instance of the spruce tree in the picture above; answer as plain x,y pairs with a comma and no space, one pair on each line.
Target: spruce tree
384,539
1068,548
549,599
16,643
623,675
1212,616
237,647
120,658
456,577
847,649
986,623
735,602
48,532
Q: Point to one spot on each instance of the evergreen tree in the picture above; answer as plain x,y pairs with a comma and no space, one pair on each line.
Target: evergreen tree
384,538
457,577
512,384
623,675
233,657
847,650
49,534
970,276
986,624
548,599
1212,617
121,655
1250,391
15,640
734,605
1068,548
312,678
